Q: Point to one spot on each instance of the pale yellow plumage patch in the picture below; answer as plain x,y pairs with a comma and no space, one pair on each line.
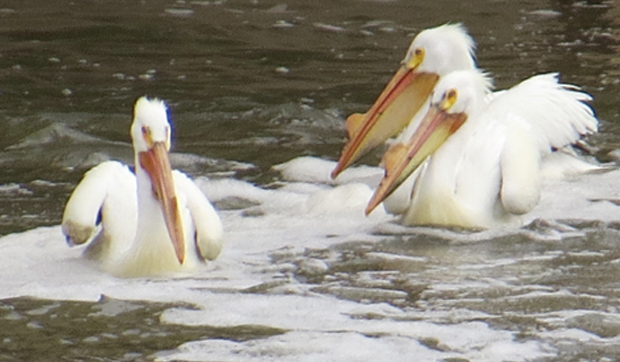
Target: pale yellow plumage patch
440,208
154,260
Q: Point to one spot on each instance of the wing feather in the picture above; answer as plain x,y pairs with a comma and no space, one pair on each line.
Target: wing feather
558,113
104,202
207,223
540,115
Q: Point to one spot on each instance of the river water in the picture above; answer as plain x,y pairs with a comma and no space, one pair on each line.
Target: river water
303,276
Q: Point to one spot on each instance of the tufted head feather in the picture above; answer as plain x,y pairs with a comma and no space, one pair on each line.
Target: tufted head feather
150,124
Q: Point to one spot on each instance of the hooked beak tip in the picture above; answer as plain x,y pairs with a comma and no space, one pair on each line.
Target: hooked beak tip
372,205
335,173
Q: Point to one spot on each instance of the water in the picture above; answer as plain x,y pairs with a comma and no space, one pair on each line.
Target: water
304,276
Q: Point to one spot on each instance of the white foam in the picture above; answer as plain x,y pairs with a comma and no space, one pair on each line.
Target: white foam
304,211
306,346
587,197
312,169
572,335
344,346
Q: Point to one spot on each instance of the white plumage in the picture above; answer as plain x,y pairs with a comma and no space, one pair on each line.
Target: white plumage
486,169
151,223
103,207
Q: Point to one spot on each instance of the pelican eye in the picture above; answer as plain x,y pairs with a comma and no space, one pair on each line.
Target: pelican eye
449,99
451,94
415,58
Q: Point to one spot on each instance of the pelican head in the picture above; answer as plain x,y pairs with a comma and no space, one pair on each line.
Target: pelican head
432,54
458,96
150,133
461,92
441,50
150,124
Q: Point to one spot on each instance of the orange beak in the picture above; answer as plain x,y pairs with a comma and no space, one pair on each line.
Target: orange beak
402,159
157,165
401,99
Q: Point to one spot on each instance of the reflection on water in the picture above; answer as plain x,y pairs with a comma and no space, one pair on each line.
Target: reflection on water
254,83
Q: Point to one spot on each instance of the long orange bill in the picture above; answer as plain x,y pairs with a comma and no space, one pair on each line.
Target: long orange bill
401,160
401,99
157,165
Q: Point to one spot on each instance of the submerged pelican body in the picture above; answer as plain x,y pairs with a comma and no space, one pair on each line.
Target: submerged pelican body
433,53
148,223
477,163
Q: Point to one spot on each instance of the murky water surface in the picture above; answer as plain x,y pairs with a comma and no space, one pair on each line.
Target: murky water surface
262,82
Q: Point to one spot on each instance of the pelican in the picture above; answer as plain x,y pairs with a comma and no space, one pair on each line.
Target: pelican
152,222
432,54
485,162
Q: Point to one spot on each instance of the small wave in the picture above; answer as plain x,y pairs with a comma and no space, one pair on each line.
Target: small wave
56,133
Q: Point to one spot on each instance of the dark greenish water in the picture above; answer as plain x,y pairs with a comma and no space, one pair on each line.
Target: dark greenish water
262,82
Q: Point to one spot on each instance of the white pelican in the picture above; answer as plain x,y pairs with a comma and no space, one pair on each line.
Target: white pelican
485,158
432,54
150,223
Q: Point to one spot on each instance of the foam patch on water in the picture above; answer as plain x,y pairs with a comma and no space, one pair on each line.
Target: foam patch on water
593,196
312,169
347,346
306,211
